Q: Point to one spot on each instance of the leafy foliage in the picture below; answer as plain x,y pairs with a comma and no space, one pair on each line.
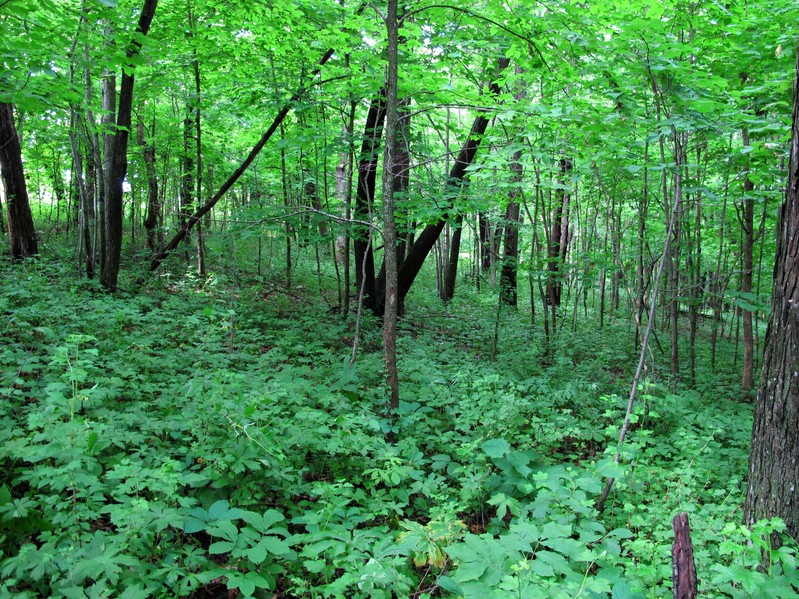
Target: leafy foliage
164,443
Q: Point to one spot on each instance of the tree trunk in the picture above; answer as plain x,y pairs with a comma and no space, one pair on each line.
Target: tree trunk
153,215
747,224
774,457
119,156
680,142
453,252
21,231
508,291
559,239
389,222
364,196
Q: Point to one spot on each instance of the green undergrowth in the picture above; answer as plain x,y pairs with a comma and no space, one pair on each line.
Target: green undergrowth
197,436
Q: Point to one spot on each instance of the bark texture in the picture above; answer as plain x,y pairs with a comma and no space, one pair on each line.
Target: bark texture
683,569
21,231
774,457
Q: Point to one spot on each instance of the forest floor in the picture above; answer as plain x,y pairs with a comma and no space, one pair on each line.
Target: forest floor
190,436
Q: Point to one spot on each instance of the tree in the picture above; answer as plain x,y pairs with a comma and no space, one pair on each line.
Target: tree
774,457
389,222
119,156
21,231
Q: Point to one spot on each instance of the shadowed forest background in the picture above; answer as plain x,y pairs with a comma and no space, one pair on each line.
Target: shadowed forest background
216,378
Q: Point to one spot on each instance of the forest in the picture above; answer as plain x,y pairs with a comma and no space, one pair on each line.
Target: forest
403,299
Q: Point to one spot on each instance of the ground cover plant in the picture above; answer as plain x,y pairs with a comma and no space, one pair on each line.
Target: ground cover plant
192,437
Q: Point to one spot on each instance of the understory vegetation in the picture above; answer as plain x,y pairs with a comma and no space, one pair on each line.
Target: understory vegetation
192,435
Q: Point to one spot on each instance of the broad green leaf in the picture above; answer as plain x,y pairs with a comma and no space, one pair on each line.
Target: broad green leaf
496,448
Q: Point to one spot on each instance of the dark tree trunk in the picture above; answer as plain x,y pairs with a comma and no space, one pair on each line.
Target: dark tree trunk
187,175
21,231
508,291
559,238
364,196
773,488
119,156
682,559
451,270
485,243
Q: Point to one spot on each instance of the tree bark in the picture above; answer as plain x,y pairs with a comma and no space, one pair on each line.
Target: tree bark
153,215
21,230
119,156
389,222
682,559
774,457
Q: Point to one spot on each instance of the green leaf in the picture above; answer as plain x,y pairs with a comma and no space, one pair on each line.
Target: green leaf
275,545
257,554
221,547
496,448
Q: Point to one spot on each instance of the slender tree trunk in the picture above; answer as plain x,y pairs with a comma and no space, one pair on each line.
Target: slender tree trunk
119,158
21,231
774,458
108,120
680,141
452,254
747,224
558,242
389,222
643,208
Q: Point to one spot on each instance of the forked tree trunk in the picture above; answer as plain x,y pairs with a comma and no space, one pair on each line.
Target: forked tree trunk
774,458
206,208
364,196
451,266
21,231
427,238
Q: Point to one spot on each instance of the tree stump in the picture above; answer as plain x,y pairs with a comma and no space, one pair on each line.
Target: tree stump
683,570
